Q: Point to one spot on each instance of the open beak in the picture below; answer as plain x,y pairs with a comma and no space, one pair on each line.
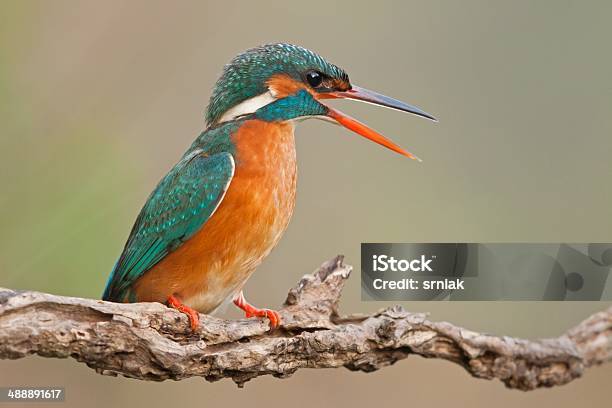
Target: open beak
364,95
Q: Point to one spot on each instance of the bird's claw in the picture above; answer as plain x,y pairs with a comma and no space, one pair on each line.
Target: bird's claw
251,311
270,314
192,315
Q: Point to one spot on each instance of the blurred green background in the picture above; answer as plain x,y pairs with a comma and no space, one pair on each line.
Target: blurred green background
99,99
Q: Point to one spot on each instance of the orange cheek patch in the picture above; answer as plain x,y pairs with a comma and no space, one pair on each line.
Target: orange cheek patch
339,85
283,85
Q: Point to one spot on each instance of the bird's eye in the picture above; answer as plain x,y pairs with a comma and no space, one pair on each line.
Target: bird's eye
314,78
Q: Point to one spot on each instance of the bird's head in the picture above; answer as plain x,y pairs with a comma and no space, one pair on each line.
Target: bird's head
282,82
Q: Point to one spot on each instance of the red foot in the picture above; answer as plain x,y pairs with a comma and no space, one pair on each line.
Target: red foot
252,311
194,320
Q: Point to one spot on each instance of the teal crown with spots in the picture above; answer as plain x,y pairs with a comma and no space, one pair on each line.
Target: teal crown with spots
246,75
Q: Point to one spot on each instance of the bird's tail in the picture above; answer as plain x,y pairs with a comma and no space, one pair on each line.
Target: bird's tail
109,286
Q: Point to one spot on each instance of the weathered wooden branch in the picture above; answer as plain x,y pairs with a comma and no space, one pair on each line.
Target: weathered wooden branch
149,341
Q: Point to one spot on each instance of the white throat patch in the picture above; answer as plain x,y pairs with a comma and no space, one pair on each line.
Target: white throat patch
248,106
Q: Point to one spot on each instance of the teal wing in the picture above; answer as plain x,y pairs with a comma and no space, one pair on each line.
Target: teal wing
178,207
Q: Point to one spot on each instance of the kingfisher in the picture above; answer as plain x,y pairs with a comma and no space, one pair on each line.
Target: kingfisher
224,206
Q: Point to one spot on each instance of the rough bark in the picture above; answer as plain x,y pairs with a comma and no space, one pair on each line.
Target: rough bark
149,341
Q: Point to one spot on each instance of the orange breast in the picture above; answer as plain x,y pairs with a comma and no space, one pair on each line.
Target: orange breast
219,258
